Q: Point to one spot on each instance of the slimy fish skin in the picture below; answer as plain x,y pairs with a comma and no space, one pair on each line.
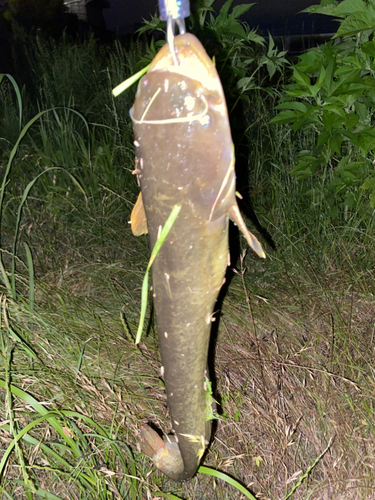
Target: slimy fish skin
185,156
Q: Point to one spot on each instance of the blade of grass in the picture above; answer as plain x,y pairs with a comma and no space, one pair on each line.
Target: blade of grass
18,95
35,442
13,424
129,82
309,469
227,479
17,338
30,266
5,276
50,416
27,398
163,234
45,494
21,341
171,496
3,492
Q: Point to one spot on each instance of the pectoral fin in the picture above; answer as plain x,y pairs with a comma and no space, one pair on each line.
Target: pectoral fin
138,219
236,217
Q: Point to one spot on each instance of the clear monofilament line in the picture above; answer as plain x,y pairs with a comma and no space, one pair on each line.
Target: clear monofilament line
170,39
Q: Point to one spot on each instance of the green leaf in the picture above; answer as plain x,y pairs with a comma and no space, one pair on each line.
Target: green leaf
366,139
301,78
285,116
334,143
356,22
225,9
296,92
333,8
297,106
234,29
254,37
40,493
332,118
372,199
349,6
369,48
306,166
246,83
23,343
353,88
321,78
239,10
312,116
327,9
271,68
161,494
20,208
369,183
323,138
311,61
45,415
351,120
206,4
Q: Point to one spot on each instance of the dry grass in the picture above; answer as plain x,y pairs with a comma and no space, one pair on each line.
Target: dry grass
294,378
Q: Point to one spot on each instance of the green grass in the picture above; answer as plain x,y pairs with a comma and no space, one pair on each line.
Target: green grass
294,352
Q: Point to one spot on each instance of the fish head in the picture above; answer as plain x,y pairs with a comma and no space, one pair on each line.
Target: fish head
193,62
181,124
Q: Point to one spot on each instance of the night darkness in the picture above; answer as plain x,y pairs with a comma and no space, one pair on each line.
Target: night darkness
280,18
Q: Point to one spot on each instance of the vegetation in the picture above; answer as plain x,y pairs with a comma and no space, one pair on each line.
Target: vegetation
332,95
294,350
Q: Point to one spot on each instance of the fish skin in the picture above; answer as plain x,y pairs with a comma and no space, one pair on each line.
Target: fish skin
185,157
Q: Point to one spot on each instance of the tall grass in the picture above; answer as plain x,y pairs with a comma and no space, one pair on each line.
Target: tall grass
295,339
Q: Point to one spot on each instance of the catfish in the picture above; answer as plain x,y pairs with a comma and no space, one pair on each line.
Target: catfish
185,157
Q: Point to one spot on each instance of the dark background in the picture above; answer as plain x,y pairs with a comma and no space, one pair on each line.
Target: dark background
280,17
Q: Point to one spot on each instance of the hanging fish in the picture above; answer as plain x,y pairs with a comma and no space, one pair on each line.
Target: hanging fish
185,156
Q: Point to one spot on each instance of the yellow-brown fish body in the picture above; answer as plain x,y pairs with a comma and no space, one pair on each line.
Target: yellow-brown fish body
185,157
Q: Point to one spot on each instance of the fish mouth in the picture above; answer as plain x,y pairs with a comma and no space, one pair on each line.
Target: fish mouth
193,62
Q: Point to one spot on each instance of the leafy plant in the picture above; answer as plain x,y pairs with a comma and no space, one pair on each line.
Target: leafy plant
332,95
